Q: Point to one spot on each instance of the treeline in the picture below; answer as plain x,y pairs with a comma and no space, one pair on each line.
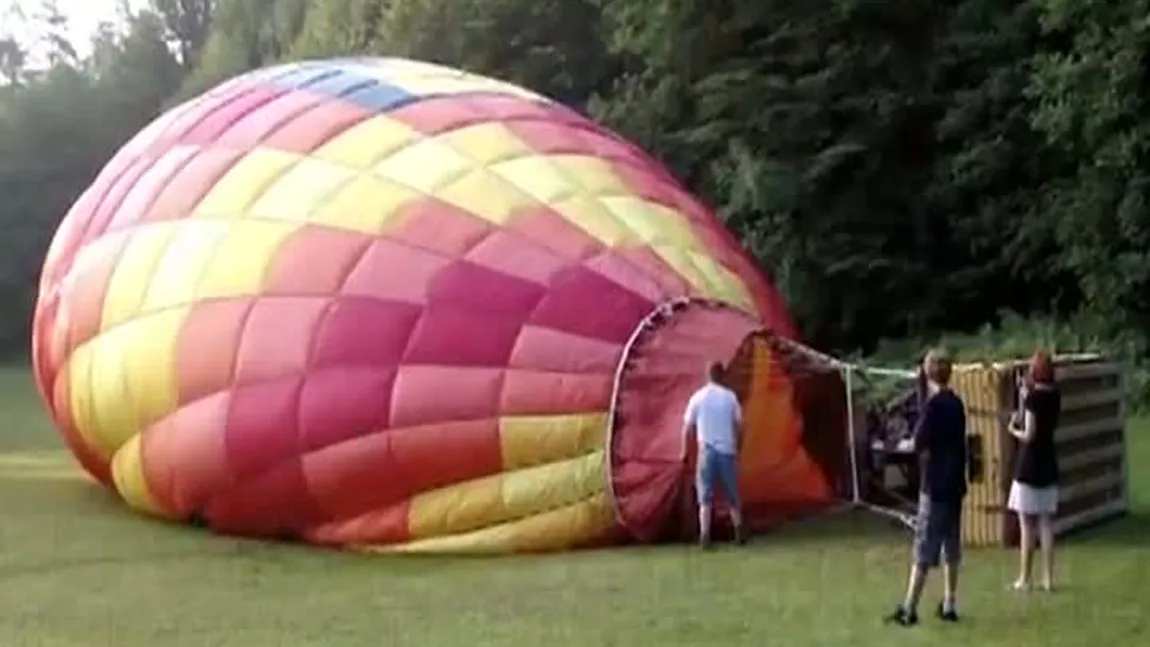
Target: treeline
902,167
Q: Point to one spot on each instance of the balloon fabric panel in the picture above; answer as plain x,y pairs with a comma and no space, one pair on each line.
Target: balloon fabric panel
371,303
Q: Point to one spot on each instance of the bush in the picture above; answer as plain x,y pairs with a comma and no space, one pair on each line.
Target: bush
1015,337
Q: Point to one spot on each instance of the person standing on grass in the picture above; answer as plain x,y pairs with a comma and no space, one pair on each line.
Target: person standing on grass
940,442
714,415
1034,492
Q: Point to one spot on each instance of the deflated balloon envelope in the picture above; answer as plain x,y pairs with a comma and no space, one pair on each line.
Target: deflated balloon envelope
368,303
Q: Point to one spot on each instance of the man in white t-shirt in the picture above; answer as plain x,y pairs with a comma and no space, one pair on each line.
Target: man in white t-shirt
715,416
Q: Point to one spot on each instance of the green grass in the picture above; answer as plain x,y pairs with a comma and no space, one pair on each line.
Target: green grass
77,569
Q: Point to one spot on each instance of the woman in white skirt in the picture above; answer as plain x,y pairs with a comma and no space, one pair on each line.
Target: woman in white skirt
1034,492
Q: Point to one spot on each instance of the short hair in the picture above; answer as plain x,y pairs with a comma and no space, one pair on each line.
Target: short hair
938,366
715,371
1041,368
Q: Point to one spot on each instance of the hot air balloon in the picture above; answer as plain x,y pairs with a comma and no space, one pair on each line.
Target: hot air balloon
388,305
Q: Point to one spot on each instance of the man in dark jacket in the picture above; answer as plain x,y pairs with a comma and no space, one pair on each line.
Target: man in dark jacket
940,442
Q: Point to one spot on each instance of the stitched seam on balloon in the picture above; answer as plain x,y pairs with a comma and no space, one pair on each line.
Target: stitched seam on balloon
150,152
640,271
370,171
585,190
235,483
578,122
574,461
413,544
570,504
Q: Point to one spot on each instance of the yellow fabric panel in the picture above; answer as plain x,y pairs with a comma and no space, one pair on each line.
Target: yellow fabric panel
594,174
112,402
486,195
537,177
366,204
137,263
563,528
464,506
150,364
589,214
184,262
679,261
300,190
654,223
363,145
487,143
125,379
239,265
455,83
502,497
128,476
724,284
526,441
79,376
425,166
235,193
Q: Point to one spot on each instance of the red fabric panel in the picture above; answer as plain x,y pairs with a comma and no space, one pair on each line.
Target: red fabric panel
545,349
340,403
250,130
198,110
179,198
341,340
98,223
466,285
355,476
385,525
47,347
313,128
211,124
636,277
516,255
277,338
85,295
550,138
206,350
650,186
315,261
393,271
449,335
656,269
139,200
419,395
435,225
551,230
648,450
528,393
274,504
185,456
585,303
435,115
434,456
263,426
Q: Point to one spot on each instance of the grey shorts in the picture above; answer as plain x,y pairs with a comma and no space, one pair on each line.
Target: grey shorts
937,533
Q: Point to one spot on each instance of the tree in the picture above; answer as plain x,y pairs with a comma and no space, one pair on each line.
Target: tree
187,22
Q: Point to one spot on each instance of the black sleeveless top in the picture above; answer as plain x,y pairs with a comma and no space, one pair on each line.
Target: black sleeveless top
1036,463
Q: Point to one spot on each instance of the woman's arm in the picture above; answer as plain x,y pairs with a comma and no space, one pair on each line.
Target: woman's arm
1026,432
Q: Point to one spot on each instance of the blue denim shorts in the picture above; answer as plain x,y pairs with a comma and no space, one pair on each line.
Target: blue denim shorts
937,533
714,465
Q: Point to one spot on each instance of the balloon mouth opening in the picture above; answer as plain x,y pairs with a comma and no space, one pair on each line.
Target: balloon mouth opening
664,362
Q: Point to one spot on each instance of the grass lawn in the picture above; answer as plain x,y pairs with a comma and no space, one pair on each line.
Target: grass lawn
76,568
